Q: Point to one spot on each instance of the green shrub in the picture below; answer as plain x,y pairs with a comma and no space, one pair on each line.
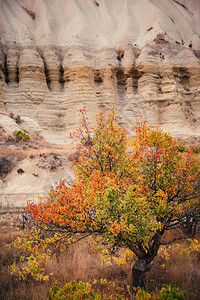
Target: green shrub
170,292
167,292
83,290
74,290
21,135
196,150
181,148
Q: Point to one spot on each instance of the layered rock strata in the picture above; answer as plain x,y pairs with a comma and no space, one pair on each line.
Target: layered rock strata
58,57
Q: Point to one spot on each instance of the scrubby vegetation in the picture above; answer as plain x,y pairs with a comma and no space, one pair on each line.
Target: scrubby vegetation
81,263
21,135
82,290
130,200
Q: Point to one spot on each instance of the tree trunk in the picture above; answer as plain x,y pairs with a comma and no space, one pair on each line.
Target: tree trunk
138,272
145,258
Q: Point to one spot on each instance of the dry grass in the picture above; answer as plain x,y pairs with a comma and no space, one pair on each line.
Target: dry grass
81,262
37,145
184,270
12,151
23,153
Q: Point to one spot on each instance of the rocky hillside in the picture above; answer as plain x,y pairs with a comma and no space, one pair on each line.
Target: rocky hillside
28,169
141,56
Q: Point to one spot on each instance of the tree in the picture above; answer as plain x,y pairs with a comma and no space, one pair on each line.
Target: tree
128,192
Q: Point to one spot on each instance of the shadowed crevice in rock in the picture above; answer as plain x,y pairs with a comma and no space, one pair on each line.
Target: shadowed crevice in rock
159,82
97,78
46,70
17,74
2,77
97,82
52,57
121,86
197,53
182,76
5,70
17,71
135,77
61,78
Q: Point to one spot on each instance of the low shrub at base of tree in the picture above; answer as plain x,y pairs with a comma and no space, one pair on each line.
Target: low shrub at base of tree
82,290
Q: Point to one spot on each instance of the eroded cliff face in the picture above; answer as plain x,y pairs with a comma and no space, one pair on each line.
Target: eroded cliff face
142,57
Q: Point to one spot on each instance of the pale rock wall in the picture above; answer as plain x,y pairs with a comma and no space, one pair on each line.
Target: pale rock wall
40,174
142,57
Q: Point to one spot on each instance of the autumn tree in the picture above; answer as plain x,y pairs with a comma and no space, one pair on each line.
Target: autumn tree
128,192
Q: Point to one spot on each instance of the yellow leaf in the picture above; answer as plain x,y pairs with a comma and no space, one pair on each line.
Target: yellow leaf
163,266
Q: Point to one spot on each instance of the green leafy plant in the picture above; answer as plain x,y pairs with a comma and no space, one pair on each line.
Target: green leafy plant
196,150
34,252
83,290
170,292
21,135
182,148
74,290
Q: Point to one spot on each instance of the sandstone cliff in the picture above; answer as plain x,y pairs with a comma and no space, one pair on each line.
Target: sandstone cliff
142,57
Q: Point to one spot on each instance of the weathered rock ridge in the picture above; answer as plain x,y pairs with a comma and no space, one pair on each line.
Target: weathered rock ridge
143,57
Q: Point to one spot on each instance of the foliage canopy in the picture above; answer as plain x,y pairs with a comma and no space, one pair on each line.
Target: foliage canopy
127,192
